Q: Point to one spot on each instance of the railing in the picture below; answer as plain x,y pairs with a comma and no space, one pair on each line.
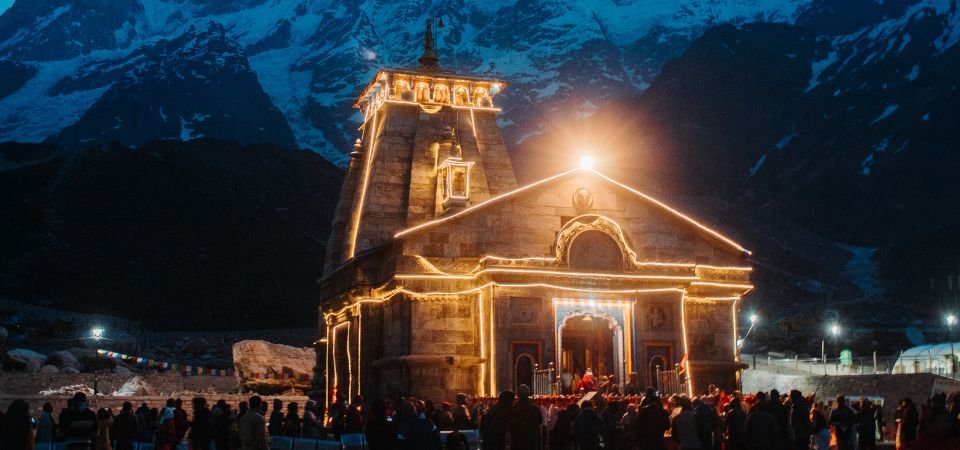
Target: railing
544,382
671,381
870,365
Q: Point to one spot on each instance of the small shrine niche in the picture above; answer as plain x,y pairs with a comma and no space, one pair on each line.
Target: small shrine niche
453,174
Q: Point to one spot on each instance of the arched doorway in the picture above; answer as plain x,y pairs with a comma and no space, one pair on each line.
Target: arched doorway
590,341
524,371
657,365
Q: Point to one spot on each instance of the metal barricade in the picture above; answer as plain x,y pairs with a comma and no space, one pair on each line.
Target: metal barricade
543,380
671,381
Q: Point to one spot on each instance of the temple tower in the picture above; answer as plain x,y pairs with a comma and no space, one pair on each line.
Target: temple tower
430,146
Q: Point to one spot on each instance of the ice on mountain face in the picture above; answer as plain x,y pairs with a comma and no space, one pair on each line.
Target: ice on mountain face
757,165
886,113
926,117
882,145
31,115
862,270
914,73
903,42
866,164
818,68
785,140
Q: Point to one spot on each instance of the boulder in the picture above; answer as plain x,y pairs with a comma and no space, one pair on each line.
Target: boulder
266,357
29,360
64,359
134,387
49,369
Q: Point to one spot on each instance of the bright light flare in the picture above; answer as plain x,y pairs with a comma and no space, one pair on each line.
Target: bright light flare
951,319
97,333
835,330
586,162
753,318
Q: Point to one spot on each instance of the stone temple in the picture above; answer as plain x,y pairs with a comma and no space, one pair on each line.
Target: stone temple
444,276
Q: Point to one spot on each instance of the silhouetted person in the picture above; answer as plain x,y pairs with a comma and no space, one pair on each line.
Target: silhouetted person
526,419
587,428
252,427
495,423
275,428
761,431
381,431
46,427
17,429
201,427
652,421
291,423
126,429
844,421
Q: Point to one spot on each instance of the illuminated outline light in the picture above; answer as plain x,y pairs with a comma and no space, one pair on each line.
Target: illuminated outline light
656,202
483,351
736,350
726,285
367,168
394,292
546,272
686,348
336,374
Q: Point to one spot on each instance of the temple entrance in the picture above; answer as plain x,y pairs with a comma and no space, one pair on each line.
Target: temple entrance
590,342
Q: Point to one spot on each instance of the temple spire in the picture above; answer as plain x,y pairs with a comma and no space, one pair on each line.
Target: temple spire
428,60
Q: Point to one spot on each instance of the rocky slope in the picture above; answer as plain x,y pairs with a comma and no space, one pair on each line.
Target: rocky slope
198,235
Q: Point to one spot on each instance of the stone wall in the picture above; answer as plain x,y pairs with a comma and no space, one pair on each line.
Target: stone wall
22,384
918,387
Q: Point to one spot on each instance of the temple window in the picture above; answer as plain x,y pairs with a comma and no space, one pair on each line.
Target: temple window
440,94
482,99
401,90
423,93
460,96
453,181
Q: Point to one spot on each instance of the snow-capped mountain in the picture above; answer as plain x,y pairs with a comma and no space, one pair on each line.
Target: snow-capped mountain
311,56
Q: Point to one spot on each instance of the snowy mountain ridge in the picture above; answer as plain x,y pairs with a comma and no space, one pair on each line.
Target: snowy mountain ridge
311,56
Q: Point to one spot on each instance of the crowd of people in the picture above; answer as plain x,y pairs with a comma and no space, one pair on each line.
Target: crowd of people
220,426
518,421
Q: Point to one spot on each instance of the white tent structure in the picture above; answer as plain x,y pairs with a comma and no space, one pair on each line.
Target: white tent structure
931,358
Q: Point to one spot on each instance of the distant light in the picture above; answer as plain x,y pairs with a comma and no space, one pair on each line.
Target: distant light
753,318
951,320
740,343
586,162
97,333
835,330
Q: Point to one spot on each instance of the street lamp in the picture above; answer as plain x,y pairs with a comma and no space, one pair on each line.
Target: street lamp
951,321
835,332
97,335
753,322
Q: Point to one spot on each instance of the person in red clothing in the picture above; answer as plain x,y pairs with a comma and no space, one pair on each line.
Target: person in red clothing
588,383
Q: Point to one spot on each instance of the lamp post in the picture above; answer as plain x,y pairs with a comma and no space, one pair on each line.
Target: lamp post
753,322
835,332
97,335
951,321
